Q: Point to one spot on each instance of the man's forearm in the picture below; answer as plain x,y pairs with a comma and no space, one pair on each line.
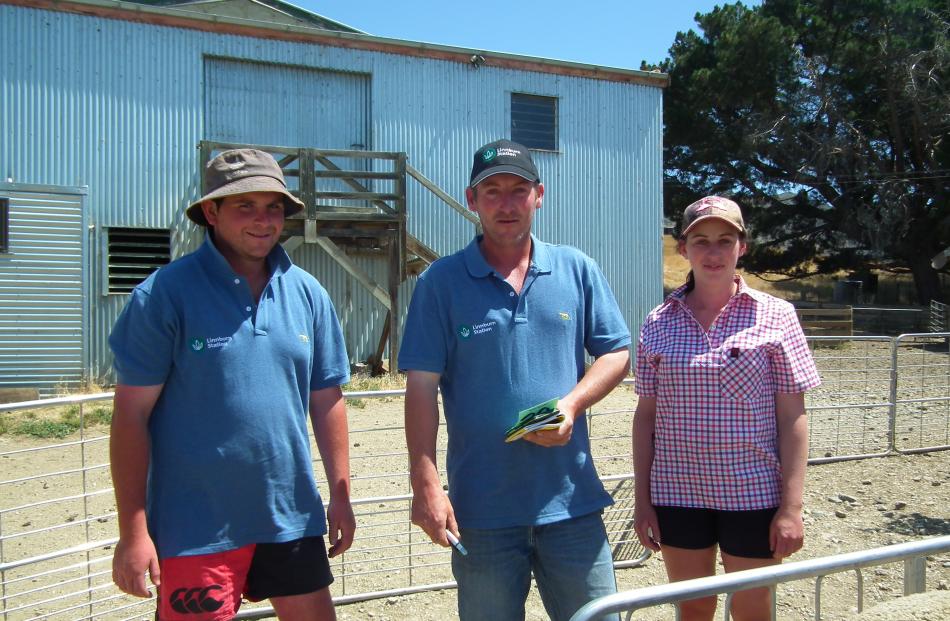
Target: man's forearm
129,456
422,429
331,429
129,452
603,376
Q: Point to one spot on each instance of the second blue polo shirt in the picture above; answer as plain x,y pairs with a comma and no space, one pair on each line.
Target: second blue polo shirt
499,352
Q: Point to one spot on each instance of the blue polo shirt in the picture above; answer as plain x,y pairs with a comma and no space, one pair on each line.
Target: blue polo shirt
230,454
498,353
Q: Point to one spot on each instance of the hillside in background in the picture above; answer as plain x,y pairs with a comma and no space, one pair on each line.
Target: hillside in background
892,289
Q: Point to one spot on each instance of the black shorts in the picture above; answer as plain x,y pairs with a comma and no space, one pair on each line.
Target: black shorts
739,533
291,568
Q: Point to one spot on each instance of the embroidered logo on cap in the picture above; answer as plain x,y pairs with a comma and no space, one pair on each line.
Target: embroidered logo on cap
507,152
707,206
489,155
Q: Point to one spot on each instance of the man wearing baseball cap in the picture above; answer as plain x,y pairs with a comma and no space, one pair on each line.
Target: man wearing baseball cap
220,356
501,326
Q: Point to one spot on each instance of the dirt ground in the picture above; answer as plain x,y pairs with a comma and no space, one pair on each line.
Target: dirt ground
850,506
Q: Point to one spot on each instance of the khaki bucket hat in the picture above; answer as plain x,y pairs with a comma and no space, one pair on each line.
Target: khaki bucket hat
239,171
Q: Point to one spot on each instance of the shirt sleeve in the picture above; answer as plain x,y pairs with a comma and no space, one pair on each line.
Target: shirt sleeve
143,339
645,374
605,329
793,368
331,365
423,341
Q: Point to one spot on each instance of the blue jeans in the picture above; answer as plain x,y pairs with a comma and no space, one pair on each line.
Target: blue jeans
570,559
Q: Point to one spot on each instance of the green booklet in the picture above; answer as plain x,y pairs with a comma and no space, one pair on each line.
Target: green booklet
541,416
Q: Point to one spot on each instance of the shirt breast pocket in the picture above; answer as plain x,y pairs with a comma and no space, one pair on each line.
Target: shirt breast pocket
743,373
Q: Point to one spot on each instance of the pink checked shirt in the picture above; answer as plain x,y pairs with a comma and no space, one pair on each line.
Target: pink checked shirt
715,437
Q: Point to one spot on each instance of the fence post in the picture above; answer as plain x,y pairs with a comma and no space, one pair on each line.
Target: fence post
892,414
915,575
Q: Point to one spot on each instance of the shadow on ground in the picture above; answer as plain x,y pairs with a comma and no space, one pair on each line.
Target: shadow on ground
917,524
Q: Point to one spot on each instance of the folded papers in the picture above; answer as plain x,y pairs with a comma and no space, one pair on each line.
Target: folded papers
541,416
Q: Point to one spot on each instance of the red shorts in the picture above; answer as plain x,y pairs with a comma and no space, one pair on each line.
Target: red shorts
209,587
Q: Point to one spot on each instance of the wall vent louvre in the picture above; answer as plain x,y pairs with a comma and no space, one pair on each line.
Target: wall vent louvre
534,121
134,254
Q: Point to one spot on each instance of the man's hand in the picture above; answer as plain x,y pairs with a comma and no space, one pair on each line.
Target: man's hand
555,437
787,532
431,509
342,526
133,556
602,376
432,512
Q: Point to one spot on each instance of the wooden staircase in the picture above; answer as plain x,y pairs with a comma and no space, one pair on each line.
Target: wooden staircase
360,207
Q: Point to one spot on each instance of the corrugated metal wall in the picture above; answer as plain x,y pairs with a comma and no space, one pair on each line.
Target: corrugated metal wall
603,187
120,107
41,289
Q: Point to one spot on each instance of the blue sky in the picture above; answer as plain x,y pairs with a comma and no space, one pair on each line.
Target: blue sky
614,33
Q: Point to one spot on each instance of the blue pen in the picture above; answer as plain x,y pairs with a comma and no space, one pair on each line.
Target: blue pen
456,543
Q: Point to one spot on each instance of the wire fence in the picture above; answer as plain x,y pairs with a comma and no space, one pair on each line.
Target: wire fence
879,396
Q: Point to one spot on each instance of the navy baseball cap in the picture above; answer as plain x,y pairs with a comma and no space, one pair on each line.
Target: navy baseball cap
503,156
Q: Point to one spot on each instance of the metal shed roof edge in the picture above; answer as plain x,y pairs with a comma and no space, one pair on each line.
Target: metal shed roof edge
182,18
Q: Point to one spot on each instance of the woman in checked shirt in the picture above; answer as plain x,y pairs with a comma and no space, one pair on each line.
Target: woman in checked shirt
720,438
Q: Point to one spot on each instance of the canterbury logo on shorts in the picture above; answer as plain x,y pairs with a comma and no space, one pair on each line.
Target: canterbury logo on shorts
206,587
195,600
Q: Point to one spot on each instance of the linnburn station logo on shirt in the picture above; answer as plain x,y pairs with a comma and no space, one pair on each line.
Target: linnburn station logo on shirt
199,344
466,332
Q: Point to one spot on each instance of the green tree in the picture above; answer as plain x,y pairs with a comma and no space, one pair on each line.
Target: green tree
828,120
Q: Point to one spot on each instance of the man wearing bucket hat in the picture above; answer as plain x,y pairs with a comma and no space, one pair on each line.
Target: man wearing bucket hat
220,356
502,326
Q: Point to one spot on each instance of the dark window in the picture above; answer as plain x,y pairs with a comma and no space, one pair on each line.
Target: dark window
134,254
4,225
534,121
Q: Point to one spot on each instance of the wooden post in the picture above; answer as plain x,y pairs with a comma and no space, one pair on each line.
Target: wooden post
376,362
396,266
308,183
399,189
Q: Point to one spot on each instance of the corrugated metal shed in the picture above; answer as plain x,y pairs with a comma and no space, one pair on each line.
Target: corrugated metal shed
116,97
42,309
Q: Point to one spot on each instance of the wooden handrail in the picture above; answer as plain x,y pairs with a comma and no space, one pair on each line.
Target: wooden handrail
448,200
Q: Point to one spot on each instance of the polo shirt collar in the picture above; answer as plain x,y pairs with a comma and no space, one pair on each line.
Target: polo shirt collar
478,267
278,261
